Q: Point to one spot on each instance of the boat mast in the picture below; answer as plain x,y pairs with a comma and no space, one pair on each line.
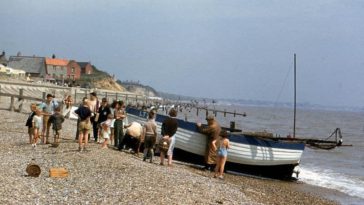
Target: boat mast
294,110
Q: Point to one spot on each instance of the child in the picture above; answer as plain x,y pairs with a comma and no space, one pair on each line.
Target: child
150,136
106,130
37,126
221,154
29,122
56,119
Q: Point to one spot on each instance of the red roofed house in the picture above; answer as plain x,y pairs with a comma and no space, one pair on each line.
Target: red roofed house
73,70
56,69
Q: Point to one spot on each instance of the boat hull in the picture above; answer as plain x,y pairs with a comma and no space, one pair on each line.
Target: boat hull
248,154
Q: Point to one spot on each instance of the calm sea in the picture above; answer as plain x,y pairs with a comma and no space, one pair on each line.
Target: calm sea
341,169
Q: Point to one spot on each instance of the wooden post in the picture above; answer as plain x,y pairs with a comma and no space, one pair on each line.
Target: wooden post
11,104
224,112
44,96
75,99
21,91
197,112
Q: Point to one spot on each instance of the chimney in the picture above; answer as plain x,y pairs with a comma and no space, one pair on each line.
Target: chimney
53,56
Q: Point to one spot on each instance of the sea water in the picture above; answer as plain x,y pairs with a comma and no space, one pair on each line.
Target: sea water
341,169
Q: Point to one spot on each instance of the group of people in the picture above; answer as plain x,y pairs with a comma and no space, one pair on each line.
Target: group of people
108,122
40,119
216,146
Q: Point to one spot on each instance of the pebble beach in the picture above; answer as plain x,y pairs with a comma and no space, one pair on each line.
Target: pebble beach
108,176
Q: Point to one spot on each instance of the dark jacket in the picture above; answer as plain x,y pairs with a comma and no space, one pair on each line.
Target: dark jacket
29,122
169,127
56,119
103,113
83,112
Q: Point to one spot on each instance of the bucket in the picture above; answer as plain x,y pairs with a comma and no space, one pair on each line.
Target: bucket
33,169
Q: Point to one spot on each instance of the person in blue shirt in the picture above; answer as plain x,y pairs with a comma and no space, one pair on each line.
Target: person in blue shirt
47,108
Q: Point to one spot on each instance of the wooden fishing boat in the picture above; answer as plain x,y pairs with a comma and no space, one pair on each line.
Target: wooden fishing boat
248,154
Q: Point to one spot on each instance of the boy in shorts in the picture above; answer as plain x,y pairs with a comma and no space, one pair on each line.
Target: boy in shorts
56,119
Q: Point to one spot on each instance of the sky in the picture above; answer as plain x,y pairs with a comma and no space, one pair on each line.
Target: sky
204,48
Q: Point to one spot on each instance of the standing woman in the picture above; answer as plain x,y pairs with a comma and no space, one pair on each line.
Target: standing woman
67,106
169,128
112,112
118,125
94,104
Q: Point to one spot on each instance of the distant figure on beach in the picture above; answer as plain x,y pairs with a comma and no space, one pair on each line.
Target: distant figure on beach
56,119
221,146
48,109
103,112
106,130
120,114
150,136
94,104
212,130
84,113
67,106
37,126
169,128
29,122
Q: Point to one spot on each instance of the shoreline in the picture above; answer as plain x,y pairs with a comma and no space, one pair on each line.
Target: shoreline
124,170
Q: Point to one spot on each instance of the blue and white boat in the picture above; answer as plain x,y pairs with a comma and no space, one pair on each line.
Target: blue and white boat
248,154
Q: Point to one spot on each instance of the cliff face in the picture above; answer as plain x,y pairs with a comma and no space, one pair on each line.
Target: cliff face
108,84
140,89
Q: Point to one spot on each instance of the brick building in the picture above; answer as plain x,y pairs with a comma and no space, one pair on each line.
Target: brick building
86,68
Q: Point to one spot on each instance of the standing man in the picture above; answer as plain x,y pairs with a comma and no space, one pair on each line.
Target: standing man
120,114
104,112
94,104
48,108
212,130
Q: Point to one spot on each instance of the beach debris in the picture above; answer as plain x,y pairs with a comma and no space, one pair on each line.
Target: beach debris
33,169
58,172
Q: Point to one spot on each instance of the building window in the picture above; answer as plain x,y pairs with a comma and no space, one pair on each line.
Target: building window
72,70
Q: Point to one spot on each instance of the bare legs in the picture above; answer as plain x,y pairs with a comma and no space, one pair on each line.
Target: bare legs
220,166
83,137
